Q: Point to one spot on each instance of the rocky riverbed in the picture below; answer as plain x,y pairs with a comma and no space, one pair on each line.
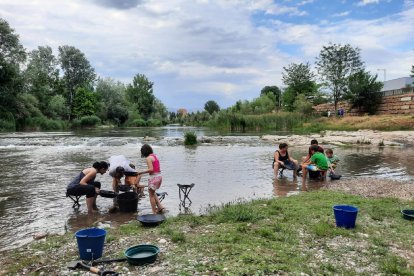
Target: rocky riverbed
343,138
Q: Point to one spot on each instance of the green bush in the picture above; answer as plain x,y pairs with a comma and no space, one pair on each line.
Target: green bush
7,122
50,124
76,123
90,121
154,122
190,138
273,121
138,123
42,123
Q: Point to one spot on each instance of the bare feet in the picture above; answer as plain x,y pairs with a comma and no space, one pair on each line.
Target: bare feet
91,212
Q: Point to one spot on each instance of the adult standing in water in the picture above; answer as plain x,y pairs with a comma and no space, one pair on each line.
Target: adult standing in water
84,184
155,178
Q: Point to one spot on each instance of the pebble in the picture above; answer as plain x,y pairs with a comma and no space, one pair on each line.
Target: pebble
162,241
38,236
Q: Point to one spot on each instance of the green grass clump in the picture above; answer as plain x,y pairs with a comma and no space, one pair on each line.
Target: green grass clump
190,138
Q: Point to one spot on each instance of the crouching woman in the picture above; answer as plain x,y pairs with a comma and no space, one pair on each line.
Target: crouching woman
84,184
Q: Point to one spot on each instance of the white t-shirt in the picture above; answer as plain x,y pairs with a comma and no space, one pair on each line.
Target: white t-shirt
119,161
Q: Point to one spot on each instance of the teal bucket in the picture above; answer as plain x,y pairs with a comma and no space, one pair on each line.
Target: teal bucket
90,243
345,215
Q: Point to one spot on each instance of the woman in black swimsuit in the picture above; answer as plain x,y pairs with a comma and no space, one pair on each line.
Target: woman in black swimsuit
283,160
84,184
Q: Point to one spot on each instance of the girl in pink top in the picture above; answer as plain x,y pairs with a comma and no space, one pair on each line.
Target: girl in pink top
155,178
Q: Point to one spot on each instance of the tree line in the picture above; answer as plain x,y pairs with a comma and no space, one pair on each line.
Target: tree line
341,75
41,91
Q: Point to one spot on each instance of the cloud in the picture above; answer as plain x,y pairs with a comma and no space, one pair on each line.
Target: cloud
118,4
367,2
305,2
271,8
341,14
195,51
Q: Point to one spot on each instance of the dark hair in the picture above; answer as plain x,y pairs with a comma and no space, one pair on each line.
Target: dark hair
283,145
100,165
314,142
314,148
329,151
146,150
119,171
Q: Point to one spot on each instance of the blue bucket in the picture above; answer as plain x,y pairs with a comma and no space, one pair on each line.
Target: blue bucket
90,243
345,215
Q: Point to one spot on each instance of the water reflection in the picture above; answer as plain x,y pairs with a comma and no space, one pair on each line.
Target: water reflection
285,186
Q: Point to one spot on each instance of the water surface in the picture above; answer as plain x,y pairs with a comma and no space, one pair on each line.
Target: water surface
37,167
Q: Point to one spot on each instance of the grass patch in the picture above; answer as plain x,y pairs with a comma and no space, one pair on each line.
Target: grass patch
290,235
190,138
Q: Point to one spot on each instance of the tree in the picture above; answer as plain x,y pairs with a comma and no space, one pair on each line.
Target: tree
160,111
273,92
298,79
211,106
364,91
77,71
12,55
42,76
84,103
11,50
412,71
58,108
302,105
263,104
335,64
140,94
111,101
182,112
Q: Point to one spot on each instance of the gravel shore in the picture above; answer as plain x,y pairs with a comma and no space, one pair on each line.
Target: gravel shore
374,187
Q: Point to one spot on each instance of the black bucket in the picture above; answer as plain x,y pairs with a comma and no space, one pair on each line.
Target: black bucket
128,202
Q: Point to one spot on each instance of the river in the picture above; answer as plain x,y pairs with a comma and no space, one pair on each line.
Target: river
36,167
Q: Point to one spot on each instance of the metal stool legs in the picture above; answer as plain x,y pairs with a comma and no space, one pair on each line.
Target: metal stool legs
162,195
185,190
75,200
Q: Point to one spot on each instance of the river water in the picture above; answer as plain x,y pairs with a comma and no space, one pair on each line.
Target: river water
36,167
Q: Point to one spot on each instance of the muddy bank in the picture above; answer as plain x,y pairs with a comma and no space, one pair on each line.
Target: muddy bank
343,138
374,187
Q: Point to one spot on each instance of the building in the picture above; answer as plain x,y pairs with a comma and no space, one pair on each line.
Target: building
398,86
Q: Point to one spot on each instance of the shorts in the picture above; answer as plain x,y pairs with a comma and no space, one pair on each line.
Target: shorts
154,182
88,190
312,168
290,165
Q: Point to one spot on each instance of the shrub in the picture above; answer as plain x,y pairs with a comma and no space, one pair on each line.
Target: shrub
154,122
90,121
190,138
7,122
138,123
76,123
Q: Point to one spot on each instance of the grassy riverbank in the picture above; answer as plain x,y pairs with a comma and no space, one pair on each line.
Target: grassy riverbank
352,123
299,123
294,234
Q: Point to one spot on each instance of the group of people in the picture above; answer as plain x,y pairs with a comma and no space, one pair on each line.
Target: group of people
119,166
317,162
341,112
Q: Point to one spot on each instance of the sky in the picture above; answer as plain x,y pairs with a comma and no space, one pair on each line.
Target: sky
222,50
